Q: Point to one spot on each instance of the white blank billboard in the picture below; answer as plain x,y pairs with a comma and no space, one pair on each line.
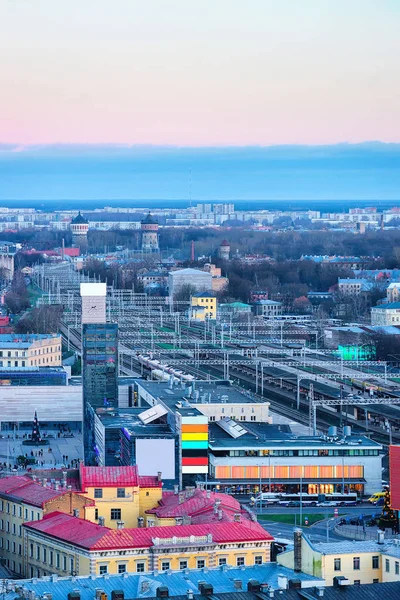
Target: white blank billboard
155,455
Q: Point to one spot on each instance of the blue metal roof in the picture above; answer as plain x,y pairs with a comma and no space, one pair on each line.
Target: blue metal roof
144,585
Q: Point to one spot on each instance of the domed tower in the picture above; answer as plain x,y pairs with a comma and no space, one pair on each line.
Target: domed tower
149,228
79,227
224,250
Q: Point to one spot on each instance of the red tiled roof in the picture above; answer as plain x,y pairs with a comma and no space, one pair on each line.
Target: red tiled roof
108,477
72,251
196,505
75,531
86,534
26,490
147,481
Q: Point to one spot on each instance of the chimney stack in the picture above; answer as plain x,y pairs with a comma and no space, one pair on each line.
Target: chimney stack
298,536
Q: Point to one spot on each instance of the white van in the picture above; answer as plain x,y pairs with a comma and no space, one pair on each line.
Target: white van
266,498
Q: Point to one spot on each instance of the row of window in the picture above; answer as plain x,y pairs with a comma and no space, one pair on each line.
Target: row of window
5,525
11,546
53,559
19,353
98,493
337,564
14,509
183,564
355,452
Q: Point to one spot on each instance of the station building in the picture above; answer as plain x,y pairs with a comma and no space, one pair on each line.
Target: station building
244,457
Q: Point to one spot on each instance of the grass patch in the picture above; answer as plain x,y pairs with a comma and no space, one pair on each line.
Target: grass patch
289,519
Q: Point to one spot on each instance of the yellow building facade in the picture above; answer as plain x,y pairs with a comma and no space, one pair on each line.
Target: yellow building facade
30,350
203,306
65,545
120,495
357,562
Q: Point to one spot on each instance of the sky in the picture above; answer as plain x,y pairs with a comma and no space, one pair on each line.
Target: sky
199,72
213,99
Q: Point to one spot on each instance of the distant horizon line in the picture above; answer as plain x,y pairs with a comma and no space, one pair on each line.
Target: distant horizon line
20,146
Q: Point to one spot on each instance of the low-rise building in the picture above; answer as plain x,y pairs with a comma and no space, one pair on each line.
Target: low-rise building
386,314
349,562
353,287
241,455
120,495
23,500
268,308
30,350
203,306
393,292
64,544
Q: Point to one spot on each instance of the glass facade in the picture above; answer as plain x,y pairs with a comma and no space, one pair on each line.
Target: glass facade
100,377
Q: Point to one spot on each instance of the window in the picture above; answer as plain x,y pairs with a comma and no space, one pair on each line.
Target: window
26,513
44,555
98,493
51,558
71,565
356,563
14,529
96,513
396,567
357,582
57,561
183,564
103,569
165,565
20,549
240,562
37,552
115,514
20,511
121,569
64,563
387,565
375,562
375,581
8,507
258,560
337,564
140,567
221,561
120,492
31,550
14,549
201,563
14,510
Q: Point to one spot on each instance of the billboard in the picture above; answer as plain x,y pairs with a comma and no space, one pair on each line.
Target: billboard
394,471
154,455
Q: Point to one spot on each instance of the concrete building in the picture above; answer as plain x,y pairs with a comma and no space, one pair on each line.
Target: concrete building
84,548
241,456
30,350
203,306
6,265
386,314
200,280
347,562
149,227
224,250
268,308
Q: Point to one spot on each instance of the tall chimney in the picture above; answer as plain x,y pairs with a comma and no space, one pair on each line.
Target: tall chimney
298,535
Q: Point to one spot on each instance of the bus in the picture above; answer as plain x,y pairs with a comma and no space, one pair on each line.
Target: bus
350,499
